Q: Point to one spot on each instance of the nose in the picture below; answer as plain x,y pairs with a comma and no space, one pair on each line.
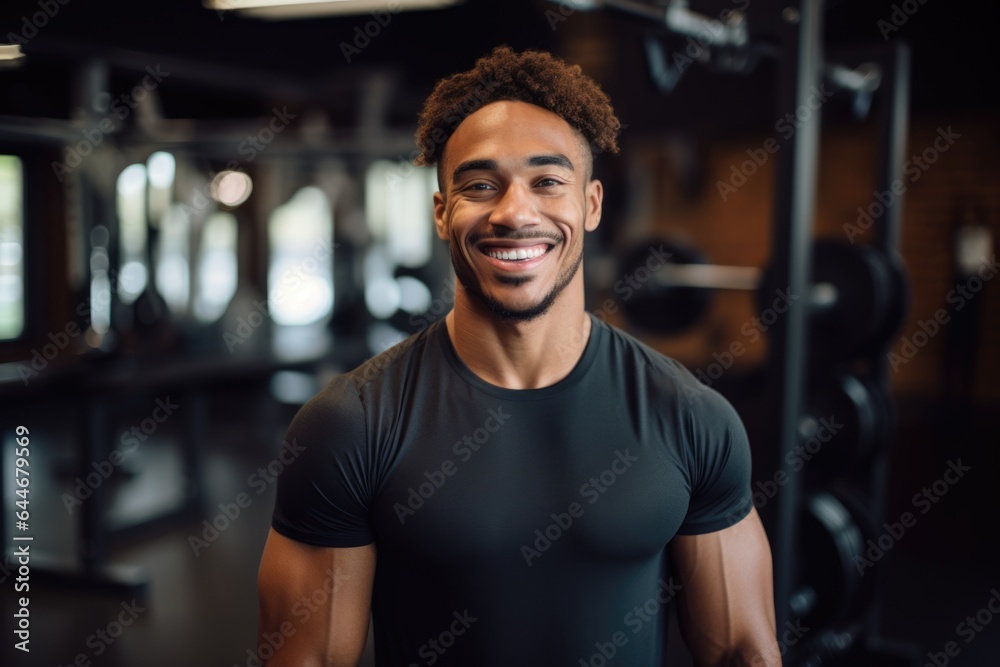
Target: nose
515,208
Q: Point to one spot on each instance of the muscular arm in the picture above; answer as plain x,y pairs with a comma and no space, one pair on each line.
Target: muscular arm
330,629
726,601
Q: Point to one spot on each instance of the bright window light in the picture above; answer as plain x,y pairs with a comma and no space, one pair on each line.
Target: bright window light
300,278
11,248
217,267
172,261
131,201
399,209
161,168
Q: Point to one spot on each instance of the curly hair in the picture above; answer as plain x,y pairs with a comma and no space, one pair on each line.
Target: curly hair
535,77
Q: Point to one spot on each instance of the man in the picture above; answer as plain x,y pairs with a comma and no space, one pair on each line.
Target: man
518,483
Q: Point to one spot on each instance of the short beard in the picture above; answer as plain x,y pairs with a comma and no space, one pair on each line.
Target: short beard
499,310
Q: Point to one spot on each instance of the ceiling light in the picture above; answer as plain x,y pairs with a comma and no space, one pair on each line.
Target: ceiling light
290,9
11,55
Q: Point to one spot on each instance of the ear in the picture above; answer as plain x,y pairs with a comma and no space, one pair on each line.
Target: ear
595,197
439,222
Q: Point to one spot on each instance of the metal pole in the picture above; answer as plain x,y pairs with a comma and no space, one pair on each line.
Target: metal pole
893,122
800,77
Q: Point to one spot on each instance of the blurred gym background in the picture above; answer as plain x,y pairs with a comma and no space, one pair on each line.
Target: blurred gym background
209,210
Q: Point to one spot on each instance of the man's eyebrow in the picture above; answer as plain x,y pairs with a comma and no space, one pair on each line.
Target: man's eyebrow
473,165
557,160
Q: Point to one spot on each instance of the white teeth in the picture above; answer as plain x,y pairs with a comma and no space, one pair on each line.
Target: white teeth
520,253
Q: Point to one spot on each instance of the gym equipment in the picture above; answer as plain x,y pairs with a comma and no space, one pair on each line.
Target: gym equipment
846,422
857,301
651,306
848,333
836,528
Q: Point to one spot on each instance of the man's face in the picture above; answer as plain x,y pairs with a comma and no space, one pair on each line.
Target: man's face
516,198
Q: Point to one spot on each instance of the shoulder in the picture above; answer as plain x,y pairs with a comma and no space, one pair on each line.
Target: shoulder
335,410
668,383
639,358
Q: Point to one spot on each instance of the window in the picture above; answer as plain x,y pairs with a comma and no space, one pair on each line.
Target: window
172,263
399,210
399,207
217,268
11,247
300,278
131,204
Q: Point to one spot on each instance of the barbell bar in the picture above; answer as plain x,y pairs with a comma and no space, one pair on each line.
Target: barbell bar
858,299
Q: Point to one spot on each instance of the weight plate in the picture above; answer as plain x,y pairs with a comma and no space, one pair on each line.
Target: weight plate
846,417
650,304
898,306
861,281
832,535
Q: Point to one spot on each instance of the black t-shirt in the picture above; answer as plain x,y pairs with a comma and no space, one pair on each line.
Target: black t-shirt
516,527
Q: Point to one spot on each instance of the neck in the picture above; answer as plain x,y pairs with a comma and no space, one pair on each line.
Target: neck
520,355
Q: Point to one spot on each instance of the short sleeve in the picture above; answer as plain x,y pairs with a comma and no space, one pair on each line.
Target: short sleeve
719,465
323,492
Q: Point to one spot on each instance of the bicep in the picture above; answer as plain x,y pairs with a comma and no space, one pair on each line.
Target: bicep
316,599
726,598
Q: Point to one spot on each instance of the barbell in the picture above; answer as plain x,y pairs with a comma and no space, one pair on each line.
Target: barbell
858,299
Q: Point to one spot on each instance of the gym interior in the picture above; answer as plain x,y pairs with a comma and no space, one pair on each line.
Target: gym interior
209,209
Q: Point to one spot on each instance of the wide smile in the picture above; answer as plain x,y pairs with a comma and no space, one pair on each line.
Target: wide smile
514,257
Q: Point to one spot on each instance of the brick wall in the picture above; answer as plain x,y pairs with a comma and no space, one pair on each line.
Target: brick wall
737,231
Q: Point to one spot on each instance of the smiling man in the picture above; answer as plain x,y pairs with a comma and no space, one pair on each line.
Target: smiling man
519,483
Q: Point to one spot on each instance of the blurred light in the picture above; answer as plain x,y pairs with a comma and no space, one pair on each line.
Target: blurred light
10,254
309,341
414,295
382,297
132,230
398,205
11,289
382,293
217,267
11,55
308,302
304,8
300,278
131,280
162,167
293,387
231,188
172,281
11,247
173,267
99,261
132,180
100,303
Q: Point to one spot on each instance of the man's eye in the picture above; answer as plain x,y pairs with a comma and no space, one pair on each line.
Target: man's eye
480,187
548,182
